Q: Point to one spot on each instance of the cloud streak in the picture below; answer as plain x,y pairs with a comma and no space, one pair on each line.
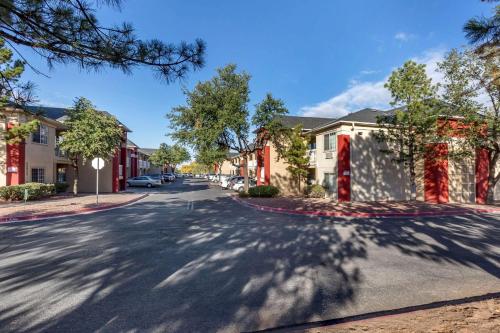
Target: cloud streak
372,94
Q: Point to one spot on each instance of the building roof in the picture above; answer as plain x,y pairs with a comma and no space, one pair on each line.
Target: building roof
367,115
60,114
130,143
307,123
147,151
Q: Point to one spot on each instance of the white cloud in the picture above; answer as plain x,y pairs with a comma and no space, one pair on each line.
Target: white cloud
403,36
372,94
368,72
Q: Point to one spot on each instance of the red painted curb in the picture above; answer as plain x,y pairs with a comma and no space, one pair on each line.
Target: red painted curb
69,213
352,214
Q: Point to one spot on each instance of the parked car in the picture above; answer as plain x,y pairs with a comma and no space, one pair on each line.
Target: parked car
157,176
227,183
239,186
169,177
143,181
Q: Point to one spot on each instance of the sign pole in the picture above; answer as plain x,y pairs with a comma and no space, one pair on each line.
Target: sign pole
97,185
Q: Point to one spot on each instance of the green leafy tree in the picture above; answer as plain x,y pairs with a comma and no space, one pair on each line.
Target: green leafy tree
14,92
296,155
170,155
468,76
212,157
90,134
67,31
216,117
411,126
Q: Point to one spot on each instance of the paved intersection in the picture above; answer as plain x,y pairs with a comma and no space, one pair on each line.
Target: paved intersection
190,259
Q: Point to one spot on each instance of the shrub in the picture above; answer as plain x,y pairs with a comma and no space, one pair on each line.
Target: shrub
243,194
61,187
35,191
315,191
264,191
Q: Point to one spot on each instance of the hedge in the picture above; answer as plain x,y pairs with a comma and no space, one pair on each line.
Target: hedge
263,191
61,187
35,191
315,191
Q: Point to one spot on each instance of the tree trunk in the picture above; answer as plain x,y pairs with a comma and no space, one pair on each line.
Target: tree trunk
220,172
413,182
75,180
490,195
245,173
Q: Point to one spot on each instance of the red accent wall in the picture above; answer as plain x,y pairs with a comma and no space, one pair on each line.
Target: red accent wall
216,168
16,157
115,174
133,163
267,165
123,162
259,166
482,172
242,167
344,167
436,174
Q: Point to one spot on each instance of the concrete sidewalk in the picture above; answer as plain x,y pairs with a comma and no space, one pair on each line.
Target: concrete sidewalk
326,207
63,205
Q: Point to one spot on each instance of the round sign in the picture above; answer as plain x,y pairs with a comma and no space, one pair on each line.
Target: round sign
98,163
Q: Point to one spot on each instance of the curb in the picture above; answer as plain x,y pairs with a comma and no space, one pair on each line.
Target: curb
82,211
366,215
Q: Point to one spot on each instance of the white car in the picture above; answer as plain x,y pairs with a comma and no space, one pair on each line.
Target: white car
225,183
239,186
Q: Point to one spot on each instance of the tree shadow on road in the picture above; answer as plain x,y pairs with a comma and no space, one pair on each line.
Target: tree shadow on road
212,266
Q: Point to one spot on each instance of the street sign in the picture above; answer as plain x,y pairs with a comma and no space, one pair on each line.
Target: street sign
98,163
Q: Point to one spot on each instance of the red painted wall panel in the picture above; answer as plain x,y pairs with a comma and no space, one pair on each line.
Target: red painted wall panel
436,174
16,157
259,166
116,165
344,167
123,162
267,165
482,172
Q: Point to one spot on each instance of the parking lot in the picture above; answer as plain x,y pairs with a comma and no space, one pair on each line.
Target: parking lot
190,259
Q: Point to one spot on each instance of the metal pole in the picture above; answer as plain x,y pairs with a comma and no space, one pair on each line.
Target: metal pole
97,184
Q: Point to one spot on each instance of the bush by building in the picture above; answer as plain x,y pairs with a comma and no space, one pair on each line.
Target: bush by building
263,191
315,191
35,191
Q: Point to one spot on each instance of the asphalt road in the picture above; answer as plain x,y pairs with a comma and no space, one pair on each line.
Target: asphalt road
190,259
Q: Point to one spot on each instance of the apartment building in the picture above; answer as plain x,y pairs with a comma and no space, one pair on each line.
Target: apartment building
348,160
39,159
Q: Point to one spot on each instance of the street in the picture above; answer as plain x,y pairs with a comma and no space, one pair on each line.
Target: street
188,258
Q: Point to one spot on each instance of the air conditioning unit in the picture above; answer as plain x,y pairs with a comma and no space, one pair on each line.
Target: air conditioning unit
328,155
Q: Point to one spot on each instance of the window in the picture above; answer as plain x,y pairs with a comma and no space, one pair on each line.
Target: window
61,175
38,175
330,142
41,135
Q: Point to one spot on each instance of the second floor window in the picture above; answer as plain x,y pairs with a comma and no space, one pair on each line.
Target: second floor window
330,142
41,135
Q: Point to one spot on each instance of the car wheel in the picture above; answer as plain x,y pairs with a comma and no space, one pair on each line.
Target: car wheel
241,189
149,185
128,184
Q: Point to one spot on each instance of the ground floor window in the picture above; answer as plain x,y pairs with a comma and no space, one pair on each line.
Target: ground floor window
329,182
61,175
38,175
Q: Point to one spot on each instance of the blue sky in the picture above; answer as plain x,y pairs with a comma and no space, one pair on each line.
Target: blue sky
323,58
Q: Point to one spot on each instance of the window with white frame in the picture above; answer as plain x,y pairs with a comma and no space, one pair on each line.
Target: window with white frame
38,175
41,135
330,142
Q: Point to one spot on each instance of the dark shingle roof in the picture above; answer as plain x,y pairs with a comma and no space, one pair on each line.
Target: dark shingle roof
306,122
367,115
131,143
147,151
59,114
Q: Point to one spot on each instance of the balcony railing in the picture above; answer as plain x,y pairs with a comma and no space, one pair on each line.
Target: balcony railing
60,153
312,156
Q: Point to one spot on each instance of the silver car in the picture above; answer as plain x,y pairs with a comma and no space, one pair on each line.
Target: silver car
143,181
